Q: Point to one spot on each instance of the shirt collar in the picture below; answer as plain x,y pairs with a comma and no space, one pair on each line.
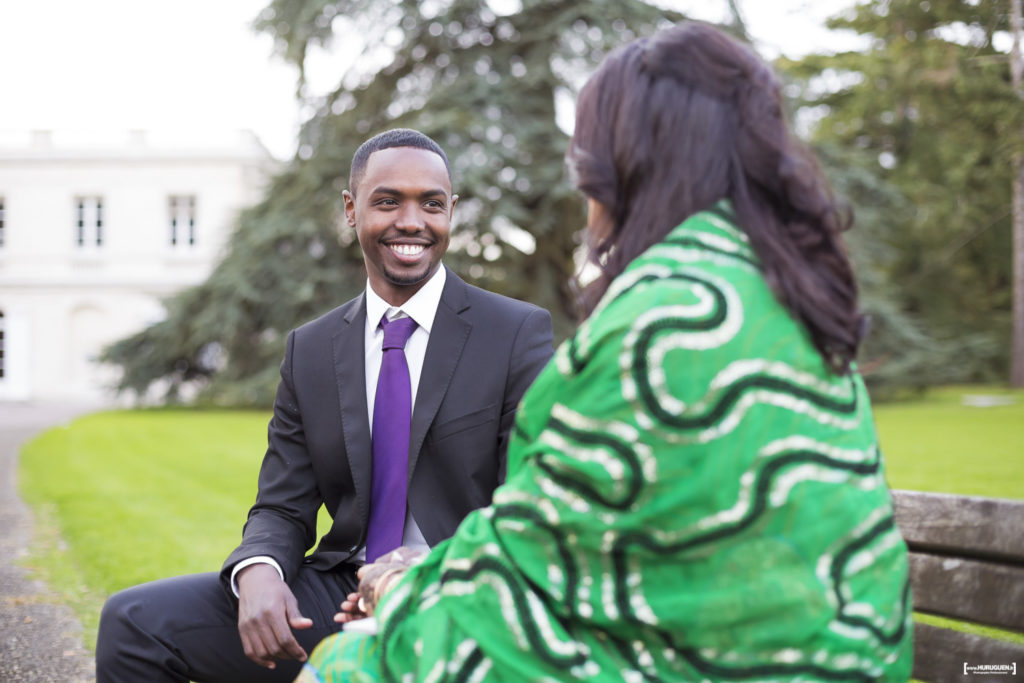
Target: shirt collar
421,306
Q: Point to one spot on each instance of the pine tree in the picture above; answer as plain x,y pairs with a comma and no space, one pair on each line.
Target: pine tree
931,102
899,353
486,87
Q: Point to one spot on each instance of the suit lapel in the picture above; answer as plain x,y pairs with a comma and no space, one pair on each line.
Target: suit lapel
447,339
350,370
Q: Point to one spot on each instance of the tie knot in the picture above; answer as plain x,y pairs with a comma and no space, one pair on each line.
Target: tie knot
397,331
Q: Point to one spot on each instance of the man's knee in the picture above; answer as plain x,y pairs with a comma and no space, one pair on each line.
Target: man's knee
127,617
120,610
166,606
142,628
122,627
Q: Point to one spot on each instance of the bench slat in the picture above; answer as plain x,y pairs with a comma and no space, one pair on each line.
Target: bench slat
966,526
940,654
982,592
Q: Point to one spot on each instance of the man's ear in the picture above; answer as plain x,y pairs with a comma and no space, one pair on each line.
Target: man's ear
451,207
350,207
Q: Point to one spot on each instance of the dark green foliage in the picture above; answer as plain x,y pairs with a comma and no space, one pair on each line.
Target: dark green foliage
930,106
482,85
899,353
932,231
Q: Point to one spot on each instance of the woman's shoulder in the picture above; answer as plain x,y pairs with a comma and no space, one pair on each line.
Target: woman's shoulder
703,265
709,240
701,289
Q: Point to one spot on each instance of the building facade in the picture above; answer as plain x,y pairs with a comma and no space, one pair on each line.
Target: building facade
93,237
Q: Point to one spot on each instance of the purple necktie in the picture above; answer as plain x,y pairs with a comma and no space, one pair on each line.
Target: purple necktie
392,411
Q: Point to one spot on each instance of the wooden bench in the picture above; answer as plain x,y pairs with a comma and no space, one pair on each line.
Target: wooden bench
966,563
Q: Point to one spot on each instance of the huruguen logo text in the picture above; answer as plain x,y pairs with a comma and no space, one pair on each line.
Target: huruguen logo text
983,669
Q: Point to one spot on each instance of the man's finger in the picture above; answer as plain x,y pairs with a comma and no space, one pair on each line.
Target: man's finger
256,650
295,617
287,645
300,622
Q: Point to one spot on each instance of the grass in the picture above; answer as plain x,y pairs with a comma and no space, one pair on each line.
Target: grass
136,496
937,443
126,497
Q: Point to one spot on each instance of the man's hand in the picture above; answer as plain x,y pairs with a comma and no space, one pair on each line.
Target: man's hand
267,613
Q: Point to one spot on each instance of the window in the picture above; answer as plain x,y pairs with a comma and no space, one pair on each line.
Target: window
2,223
1,344
89,221
181,211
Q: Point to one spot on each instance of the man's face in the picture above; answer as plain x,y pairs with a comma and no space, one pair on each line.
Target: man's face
402,211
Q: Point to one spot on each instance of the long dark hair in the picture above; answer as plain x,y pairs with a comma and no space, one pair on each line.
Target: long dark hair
671,124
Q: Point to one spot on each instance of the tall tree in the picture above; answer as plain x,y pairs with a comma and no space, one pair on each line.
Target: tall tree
930,100
1017,77
486,85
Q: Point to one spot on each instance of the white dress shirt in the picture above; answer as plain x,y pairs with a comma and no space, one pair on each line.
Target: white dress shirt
421,307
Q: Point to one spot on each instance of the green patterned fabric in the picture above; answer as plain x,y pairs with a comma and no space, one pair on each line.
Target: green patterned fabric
692,496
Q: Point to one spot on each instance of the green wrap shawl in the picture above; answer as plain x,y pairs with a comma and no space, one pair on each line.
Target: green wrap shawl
692,495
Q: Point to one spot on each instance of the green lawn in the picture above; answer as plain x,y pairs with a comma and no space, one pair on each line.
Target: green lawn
138,495
125,497
940,444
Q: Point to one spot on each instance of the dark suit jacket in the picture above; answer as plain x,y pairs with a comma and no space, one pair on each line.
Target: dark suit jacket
484,351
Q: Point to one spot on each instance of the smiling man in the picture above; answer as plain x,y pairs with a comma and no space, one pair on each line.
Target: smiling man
393,412
402,215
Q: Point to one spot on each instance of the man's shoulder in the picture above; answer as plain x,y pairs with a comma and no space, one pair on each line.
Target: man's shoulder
331,321
489,298
486,300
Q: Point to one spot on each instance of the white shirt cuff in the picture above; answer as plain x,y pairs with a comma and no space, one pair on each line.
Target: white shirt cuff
258,559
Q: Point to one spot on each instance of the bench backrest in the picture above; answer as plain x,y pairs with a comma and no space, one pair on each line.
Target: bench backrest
966,563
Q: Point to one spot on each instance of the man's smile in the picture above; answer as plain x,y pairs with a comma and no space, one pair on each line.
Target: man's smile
406,249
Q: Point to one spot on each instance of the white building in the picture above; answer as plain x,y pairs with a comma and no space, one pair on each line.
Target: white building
93,237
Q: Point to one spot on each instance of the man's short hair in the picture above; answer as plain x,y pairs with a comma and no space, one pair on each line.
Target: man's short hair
396,137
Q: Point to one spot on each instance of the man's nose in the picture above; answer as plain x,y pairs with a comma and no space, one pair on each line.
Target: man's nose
409,218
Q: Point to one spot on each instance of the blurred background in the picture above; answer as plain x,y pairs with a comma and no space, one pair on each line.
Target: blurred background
170,178
170,207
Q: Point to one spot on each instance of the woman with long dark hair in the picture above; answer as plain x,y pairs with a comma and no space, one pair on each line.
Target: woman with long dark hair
695,490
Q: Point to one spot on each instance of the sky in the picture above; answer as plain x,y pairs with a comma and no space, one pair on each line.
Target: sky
196,69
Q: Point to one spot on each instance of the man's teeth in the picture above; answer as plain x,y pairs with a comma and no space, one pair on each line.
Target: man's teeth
407,249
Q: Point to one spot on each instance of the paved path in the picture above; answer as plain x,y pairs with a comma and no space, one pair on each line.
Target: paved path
40,639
